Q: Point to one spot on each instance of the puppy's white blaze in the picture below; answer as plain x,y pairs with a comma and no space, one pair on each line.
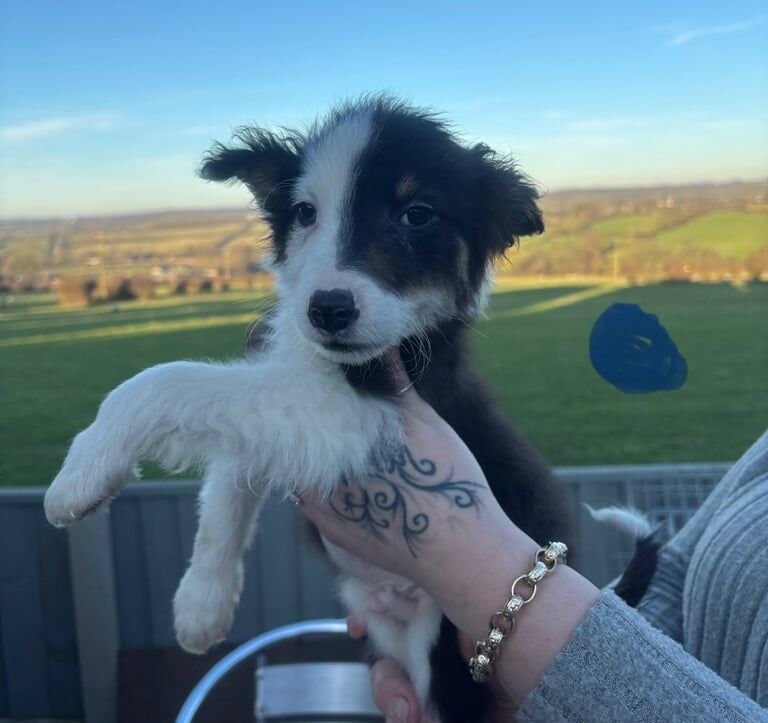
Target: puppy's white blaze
327,180
328,175
626,519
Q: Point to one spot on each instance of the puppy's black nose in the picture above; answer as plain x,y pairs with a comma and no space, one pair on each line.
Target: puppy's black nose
332,310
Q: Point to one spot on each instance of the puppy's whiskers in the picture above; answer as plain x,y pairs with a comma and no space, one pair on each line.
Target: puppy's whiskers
469,325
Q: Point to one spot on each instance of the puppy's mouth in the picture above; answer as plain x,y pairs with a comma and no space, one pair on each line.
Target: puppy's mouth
345,346
347,352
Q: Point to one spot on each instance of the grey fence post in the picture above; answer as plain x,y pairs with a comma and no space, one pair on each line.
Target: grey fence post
95,606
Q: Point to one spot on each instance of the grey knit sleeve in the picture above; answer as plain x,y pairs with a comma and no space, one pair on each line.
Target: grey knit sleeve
738,503
617,667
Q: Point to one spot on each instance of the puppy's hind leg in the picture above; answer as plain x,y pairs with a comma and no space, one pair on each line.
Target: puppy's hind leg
204,605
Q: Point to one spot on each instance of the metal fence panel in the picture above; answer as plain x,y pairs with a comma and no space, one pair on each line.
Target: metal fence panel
667,494
150,532
39,675
130,573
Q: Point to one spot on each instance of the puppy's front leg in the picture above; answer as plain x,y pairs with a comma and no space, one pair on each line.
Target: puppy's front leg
174,413
187,412
204,605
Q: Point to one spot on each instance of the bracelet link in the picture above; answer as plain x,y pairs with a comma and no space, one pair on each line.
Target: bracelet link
536,573
494,638
513,606
480,667
555,551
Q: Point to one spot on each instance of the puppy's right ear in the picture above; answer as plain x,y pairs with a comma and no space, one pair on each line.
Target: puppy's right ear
266,162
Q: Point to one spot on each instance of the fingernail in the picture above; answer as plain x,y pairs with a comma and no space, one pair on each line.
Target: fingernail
398,711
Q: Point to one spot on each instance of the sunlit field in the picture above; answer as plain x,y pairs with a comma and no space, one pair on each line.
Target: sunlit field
56,364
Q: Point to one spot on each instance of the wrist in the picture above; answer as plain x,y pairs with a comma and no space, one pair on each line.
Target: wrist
477,584
542,629
473,580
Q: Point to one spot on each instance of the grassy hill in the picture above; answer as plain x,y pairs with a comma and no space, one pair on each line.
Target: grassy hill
700,232
189,242
695,233
732,234
631,225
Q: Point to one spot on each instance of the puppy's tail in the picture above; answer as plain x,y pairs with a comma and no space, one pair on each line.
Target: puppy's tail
633,584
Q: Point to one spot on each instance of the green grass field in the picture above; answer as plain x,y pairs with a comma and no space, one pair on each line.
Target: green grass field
55,366
633,225
656,244
746,232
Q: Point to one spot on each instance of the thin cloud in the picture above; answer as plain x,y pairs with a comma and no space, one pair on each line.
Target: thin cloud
731,124
726,29
616,123
34,130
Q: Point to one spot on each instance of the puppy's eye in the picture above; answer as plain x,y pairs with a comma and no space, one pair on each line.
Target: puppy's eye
305,214
417,216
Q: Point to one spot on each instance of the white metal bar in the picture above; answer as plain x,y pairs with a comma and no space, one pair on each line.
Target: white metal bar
245,651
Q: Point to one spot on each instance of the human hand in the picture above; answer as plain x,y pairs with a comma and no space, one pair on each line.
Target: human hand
430,516
421,507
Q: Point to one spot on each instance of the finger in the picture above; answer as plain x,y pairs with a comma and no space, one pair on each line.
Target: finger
394,362
405,387
356,627
393,692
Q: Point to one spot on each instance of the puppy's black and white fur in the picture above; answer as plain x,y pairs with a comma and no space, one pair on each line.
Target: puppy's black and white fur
384,229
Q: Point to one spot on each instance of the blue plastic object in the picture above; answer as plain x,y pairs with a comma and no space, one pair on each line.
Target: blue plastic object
631,350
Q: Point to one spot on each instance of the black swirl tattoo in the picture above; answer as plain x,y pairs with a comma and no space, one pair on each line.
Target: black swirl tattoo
405,479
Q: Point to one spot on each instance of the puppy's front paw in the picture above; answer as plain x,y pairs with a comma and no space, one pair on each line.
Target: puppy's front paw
204,608
71,497
89,478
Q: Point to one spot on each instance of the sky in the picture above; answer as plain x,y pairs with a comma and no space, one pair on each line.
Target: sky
107,106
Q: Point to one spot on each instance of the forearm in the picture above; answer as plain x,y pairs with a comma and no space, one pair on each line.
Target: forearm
577,655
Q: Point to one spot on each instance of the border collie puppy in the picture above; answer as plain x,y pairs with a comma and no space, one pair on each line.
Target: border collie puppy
384,230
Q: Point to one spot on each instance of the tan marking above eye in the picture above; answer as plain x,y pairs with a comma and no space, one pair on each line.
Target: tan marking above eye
405,187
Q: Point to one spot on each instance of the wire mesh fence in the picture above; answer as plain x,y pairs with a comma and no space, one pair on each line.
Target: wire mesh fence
668,494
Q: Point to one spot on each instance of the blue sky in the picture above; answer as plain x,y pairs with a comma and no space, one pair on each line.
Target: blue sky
107,106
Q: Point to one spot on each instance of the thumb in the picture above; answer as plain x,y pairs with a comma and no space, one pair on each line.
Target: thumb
404,387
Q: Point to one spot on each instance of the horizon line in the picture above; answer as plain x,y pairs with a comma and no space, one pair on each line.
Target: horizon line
159,210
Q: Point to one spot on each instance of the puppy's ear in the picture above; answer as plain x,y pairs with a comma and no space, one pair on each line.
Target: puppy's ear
266,162
508,199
